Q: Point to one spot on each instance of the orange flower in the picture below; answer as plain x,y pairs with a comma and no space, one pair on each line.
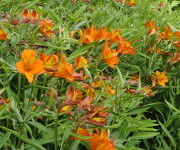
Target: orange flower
83,132
167,34
92,34
159,78
80,62
50,62
96,115
125,48
65,109
3,35
46,28
4,101
29,65
175,58
98,140
65,70
177,34
96,84
89,35
110,56
102,34
73,96
147,91
91,93
72,34
30,17
15,22
152,28
110,90
115,37
101,141
131,3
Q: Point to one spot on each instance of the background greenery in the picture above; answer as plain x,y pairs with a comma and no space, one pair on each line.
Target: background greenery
137,122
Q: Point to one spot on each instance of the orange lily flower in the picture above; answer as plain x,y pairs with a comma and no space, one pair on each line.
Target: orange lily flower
110,91
73,96
175,58
89,35
159,78
96,115
29,65
50,62
92,34
115,37
131,3
125,48
147,91
46,28
96,84
101,141
167,34
32,17
65,70
15,22
110,56
66,109
80,62
102,34
152,28
4,101
177,44
3,35
177,34
98,140
83,132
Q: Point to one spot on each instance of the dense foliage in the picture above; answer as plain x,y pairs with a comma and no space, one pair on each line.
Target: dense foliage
89,75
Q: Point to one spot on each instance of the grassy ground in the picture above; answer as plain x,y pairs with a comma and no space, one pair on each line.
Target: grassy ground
31,115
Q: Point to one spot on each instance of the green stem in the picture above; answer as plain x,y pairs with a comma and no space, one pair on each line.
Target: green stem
19,86
56,133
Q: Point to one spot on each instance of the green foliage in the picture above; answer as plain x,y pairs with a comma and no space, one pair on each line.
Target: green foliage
136,122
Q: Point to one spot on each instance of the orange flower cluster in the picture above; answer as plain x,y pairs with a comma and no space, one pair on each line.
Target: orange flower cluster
147,90
45,25
124,47
152,28
92,114
30,17
98,140
30,65
167,34
159,78
3,35
96,115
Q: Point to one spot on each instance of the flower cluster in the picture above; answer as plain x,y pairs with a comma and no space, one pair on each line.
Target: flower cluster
166,35
110,56
30,65
33,17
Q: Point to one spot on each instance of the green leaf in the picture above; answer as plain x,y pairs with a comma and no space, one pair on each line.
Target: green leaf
168,134
24,139
4,139
38,125
143,135
172,107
